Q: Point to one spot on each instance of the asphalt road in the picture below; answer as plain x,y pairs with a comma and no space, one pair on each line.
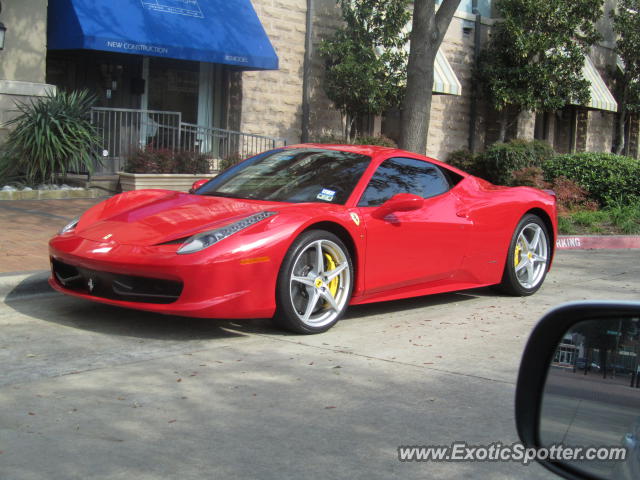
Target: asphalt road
91,391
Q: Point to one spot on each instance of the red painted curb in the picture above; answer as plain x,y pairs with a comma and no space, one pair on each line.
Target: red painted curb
600,242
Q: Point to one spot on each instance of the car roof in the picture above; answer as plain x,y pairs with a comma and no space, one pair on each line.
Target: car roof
375,151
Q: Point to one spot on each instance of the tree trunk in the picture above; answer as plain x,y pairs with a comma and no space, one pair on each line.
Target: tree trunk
346,127
427,31
504,117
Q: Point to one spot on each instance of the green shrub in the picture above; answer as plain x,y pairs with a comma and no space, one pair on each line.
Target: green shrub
231,160
329,139
609,179
618,219
500,160
379,140
152,160
566,227
569,195
52,134
190,162
529,177
464,160
625,217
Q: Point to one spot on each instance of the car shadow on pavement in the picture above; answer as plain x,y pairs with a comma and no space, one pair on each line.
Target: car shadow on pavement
115,321
425,301
34,298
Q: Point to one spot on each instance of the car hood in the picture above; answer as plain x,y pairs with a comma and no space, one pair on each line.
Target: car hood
162,217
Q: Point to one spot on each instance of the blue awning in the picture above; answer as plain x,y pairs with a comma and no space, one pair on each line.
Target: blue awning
214,31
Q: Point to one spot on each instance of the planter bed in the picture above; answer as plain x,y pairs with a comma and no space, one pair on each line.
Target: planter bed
180,182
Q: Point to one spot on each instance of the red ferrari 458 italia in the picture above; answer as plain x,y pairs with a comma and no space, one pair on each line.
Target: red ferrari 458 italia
301,232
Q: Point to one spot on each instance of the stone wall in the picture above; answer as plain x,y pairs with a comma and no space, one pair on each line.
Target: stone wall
582,129
23,60
25,50
449,125
14,92
600,131
601,124
272,100
324,120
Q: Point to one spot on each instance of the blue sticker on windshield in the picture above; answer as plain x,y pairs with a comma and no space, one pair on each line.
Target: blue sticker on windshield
326,195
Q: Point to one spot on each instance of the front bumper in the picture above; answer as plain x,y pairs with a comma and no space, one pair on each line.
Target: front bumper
207,284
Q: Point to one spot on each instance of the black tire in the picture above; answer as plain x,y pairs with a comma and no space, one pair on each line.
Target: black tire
311,301
527,258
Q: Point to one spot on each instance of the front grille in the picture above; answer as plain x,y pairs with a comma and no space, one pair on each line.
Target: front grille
115,286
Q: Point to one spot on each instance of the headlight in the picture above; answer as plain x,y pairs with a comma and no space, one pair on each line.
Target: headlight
203,240
70,226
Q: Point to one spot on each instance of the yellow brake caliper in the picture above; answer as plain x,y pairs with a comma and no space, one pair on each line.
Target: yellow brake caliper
333,284
516,255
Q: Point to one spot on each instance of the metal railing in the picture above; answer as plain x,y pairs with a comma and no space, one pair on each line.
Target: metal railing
225,144
123,131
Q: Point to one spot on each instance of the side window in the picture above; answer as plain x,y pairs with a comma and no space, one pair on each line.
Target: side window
403,175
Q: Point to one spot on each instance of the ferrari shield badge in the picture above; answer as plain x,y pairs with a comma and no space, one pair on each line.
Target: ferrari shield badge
355,218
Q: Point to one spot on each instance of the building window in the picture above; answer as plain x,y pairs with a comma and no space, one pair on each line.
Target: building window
484,7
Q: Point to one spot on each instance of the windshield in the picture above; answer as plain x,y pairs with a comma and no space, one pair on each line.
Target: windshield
292,175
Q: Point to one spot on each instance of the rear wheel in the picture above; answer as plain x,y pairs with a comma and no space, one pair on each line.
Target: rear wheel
528,257
314,284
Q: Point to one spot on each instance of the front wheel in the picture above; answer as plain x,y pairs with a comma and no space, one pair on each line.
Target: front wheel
314,284
528,257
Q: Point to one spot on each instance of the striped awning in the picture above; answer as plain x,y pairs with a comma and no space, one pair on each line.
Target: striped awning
601,97
444,79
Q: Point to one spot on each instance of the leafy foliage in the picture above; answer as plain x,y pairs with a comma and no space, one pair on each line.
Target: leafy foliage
626,23
152,160
610,179
365,60
618,219
51,135
500,160
464,159
428,28
536,53
379,140
569,195
530,177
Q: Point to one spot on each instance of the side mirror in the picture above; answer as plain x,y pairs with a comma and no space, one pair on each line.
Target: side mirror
197,184
578,391
402,202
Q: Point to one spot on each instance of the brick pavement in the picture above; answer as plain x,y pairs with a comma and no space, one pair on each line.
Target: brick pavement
26,227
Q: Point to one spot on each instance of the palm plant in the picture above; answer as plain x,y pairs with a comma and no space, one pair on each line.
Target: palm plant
51,135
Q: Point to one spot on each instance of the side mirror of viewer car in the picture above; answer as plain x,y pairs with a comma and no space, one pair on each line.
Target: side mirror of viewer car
562,403
197,184
402,202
